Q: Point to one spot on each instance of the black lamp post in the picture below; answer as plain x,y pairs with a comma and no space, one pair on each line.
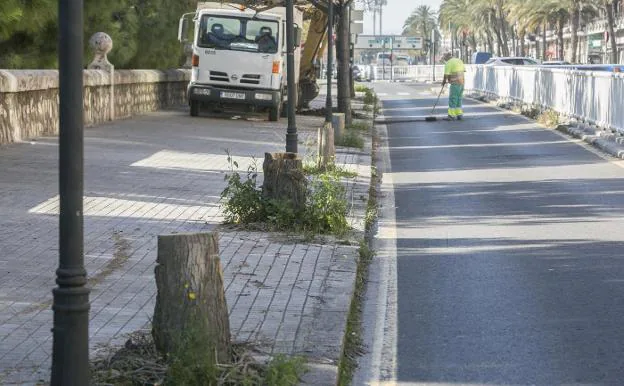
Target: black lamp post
70,349
291,131
330,59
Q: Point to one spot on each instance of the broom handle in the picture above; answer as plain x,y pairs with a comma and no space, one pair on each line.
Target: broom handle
438,100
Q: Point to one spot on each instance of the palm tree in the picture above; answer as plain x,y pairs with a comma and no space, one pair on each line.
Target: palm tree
421,22
609,6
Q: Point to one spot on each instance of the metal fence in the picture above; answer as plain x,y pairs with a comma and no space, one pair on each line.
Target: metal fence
420,73
593,97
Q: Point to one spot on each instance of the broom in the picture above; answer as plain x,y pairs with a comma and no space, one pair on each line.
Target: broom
432,118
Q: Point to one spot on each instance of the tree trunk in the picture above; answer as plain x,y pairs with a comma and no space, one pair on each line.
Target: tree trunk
609,5
499,39
544,40
522,44
560,25
190,298
490,40
374,19
503,28
284,179
574,24
344,93
425,36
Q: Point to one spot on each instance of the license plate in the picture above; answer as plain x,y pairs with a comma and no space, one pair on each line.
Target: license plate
232,95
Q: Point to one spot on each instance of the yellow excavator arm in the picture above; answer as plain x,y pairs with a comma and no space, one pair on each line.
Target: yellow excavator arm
312,51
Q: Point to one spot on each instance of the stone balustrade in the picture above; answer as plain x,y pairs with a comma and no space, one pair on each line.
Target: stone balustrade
29,99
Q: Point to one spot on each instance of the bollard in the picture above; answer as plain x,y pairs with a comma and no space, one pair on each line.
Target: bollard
338,123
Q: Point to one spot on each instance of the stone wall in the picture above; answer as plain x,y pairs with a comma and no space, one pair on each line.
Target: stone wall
29,98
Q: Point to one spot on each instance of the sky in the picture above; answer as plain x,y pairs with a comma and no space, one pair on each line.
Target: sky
394,15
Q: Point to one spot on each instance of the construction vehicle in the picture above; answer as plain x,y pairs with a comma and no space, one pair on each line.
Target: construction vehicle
312,50
239,58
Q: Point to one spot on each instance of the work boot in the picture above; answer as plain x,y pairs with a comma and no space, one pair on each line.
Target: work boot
450,118
460,117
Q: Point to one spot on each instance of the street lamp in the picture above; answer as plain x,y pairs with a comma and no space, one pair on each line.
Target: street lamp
70,347
291,131
330,59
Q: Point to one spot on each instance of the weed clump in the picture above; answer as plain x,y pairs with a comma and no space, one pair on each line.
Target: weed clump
325,210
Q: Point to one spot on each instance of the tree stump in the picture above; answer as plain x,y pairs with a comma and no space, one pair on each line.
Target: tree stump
326,147
284,179
190,300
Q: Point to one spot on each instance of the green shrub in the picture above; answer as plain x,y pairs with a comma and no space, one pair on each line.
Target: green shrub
326,206
361,88
351,138
369,97
242,198
549,118
360,125
325,210
284,371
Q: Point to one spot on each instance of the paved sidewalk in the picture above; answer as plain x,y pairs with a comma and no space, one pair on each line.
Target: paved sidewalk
157,174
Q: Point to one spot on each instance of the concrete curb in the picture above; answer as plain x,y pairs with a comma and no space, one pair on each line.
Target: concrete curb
325,371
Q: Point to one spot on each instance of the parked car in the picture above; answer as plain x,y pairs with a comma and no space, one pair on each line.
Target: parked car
481,57
590,67
556,63
600,67
512,61
358,72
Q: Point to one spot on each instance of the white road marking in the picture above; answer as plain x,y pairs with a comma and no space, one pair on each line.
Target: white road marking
403,93
590,148
382,94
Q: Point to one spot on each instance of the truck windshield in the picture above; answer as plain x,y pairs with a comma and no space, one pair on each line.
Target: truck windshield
242,34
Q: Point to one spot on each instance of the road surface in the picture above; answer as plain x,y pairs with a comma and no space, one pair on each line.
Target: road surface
500,252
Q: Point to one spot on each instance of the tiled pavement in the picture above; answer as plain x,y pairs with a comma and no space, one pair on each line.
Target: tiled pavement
157,174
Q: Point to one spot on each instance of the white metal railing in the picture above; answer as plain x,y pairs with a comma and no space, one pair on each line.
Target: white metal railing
414,72
594,97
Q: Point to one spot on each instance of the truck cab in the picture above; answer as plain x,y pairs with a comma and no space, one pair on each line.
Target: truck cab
239,58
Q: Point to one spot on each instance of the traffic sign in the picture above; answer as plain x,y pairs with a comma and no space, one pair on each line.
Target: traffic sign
389,42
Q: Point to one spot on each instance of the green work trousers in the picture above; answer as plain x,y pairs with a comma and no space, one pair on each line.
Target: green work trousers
455,100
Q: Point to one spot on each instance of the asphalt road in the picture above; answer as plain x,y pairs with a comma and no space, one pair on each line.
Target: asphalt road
509,242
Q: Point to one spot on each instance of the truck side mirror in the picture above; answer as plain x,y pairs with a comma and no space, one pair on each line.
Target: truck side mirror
183,28
297,36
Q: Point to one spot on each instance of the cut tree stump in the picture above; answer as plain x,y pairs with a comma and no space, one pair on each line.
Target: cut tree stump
284,179
190,300
326,147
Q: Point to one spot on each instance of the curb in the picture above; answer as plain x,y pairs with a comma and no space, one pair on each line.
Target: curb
326,371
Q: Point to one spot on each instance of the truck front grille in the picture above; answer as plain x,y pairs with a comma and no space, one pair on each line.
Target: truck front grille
219,76
250,79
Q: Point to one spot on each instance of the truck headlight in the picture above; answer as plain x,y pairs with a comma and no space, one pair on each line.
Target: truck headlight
201,91
264,97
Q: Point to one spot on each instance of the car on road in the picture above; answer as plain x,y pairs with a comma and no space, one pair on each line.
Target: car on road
481,57
512,61
358,73
556,63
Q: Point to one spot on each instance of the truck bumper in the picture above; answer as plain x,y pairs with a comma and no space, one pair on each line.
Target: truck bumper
225,96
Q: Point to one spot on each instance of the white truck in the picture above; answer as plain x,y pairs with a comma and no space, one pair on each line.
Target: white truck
239,58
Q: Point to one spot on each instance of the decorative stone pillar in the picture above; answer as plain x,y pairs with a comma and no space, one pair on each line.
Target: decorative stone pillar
102,44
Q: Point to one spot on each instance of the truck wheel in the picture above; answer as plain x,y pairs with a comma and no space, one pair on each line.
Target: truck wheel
194,108
274,113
